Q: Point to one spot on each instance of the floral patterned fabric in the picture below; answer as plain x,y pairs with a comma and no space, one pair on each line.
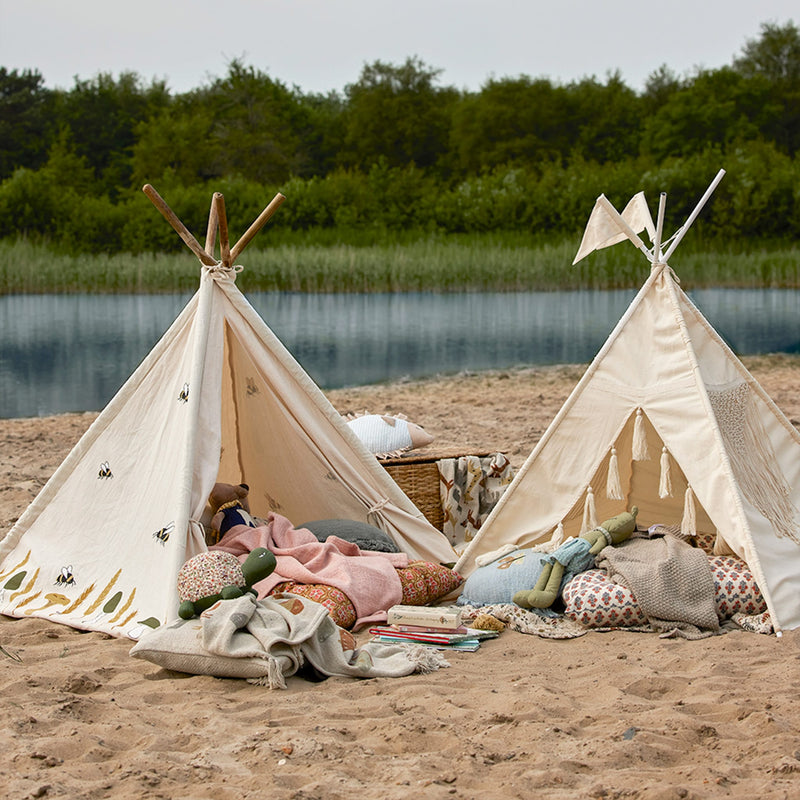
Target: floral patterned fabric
423,582
593,600
469,488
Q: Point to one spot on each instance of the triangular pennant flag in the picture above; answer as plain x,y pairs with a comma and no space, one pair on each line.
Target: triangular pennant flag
603,229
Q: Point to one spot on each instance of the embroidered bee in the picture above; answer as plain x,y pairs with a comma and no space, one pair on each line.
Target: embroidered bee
65,577
252,389
184,395
162,535
105,471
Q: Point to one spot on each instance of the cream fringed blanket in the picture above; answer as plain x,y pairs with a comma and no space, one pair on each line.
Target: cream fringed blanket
671,580
268,640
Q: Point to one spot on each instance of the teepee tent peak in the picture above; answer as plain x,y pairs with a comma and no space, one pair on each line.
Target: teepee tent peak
217,220
607,226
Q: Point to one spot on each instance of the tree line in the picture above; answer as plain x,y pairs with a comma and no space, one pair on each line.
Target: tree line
397,151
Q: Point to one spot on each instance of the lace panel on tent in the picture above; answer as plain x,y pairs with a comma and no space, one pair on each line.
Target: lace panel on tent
752,458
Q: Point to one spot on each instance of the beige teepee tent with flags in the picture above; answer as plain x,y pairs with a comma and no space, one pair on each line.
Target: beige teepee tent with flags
218,398
666,418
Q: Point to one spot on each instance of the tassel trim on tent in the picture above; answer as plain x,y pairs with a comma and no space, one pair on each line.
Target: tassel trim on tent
640,451
613,486
589,513
665,481
558,535
689,521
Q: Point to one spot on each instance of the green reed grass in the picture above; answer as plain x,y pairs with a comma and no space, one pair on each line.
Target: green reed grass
493,262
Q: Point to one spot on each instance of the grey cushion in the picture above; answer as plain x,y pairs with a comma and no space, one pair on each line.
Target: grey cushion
366,536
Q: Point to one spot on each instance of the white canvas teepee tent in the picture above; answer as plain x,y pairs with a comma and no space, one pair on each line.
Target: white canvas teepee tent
218,398
666,418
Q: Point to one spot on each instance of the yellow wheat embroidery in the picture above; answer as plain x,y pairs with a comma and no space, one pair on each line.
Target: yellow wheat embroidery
14,569
86,592
126,620
124,608
102,596
27,588
27,600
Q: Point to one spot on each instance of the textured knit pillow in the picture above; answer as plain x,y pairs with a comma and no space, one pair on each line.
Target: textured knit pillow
424,582
340,608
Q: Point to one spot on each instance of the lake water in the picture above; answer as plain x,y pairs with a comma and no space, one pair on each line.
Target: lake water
72,352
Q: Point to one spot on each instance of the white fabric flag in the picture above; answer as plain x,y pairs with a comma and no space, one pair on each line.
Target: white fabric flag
603,229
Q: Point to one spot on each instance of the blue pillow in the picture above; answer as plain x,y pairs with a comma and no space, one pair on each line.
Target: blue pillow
499,581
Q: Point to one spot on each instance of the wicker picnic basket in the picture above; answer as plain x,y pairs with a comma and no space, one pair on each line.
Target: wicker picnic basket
417,474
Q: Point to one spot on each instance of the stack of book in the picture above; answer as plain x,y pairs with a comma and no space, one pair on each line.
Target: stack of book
440,627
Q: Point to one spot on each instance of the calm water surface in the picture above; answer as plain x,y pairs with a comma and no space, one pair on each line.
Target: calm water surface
72,352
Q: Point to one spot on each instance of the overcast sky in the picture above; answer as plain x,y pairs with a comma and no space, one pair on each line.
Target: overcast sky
321,45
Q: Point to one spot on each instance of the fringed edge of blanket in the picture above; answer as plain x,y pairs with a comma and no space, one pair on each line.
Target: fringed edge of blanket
274,679
425,659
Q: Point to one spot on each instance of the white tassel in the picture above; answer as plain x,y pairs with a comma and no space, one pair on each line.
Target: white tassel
688,523
558,535
613,487
665,483
640,451
589,513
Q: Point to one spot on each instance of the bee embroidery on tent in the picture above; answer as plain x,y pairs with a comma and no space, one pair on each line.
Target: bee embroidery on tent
105,471
162,535
184,395
65,578
252,389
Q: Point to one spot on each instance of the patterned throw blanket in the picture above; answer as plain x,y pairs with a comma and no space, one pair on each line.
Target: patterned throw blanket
266,641
368,578
671,580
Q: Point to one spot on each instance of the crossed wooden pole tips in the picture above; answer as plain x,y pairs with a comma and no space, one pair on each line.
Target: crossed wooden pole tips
217,221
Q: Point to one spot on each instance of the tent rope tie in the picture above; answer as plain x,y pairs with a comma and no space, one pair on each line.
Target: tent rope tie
220,271
663,266
378,507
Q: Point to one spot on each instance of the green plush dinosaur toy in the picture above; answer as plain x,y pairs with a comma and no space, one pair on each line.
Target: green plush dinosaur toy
575,556
208,577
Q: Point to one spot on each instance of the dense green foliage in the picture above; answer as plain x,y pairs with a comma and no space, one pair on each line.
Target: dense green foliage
398,158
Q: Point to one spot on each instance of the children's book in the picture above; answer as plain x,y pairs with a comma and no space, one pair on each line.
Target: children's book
425,616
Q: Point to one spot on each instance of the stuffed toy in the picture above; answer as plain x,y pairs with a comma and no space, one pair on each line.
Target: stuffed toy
208,577
386,435
576,555
228,506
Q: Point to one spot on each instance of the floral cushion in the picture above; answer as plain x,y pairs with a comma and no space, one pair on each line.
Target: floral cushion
339,606
422,583
425,582
593,600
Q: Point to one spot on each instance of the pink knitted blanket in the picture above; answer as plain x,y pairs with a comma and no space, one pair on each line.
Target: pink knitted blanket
368,578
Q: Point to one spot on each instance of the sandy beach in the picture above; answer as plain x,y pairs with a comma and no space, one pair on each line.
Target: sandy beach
605,715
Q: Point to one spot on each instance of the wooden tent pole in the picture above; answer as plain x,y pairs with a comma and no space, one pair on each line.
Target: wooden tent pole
180,228
211,231
693,216
224,241
256,226
662,203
